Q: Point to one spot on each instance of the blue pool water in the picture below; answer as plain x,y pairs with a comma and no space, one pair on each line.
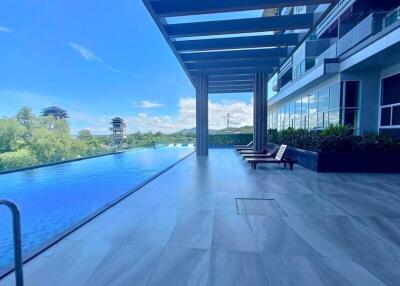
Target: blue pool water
51,199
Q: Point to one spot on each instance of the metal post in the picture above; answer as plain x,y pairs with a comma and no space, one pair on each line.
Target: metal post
19,275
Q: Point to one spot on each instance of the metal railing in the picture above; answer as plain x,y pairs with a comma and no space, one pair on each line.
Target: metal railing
19,276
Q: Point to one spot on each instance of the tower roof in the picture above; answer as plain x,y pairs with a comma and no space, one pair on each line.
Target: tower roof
117,120
55,111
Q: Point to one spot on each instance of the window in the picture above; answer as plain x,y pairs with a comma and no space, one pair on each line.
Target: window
304,112
287,116
391,90
386,114
297,120
312,111
396,115
350,97
292,114
323,107
390,102
352,94
334,117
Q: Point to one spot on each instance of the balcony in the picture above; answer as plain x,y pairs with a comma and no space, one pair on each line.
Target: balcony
365,29
190,227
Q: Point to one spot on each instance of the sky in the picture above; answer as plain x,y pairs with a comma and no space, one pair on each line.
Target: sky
99,59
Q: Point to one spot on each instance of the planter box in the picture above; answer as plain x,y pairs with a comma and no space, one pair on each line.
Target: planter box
346,162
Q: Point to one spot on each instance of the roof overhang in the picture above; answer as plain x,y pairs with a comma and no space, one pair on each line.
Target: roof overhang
230,51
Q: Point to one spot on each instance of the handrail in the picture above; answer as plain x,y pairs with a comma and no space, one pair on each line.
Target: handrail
19,275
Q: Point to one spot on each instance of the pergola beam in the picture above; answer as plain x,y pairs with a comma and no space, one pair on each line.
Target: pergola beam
224,78
267,64
215,91
258,54
231,83
262,24
172,8
233,87
238,43
230,71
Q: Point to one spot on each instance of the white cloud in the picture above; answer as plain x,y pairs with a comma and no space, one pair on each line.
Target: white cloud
110,68
241,114
85,52
147,104
5,29
89,56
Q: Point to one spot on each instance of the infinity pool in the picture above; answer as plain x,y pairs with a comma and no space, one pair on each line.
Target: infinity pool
51,199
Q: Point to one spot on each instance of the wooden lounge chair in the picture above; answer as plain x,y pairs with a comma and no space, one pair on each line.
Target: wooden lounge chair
279,158
270,154
243,146
263,151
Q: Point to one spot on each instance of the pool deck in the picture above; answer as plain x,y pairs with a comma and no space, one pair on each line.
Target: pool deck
184,228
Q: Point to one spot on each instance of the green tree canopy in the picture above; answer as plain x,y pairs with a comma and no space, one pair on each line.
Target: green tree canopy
26,119
11,135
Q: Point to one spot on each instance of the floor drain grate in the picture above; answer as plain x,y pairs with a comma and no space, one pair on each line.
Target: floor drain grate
266,207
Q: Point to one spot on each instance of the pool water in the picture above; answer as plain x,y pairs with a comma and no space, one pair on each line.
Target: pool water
51,199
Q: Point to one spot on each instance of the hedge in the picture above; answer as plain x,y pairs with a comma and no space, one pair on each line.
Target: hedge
222,140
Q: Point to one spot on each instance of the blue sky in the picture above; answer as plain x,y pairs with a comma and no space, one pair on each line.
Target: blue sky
99,59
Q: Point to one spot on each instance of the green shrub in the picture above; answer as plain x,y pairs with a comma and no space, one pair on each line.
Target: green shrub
18,159
229,139
333,139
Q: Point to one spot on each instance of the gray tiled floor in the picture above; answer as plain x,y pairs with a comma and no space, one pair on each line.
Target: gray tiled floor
184,229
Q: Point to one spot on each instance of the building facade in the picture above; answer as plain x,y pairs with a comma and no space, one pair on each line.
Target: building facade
347,72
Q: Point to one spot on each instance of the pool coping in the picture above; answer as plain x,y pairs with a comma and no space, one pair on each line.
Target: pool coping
5,271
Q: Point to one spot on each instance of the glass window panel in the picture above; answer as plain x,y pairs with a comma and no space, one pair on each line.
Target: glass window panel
334,116
391,90
351,89
297,123
385,116
334,98
304,112
323,120
312,122
323,100
287,116
312,110
350,117
396,115
292,114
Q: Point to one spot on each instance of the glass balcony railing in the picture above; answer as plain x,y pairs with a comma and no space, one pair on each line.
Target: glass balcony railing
392,17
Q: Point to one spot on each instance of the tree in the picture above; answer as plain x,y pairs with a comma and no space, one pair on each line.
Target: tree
54,124
17,159
26,119
11,135
50,146
85,134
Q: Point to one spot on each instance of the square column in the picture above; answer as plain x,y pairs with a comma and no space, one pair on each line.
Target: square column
202,115
260,111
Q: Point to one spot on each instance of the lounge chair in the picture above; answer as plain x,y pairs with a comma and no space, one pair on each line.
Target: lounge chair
268,154
242,152
279,158
243,146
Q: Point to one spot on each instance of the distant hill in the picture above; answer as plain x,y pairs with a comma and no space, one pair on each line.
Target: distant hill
187,131
231,130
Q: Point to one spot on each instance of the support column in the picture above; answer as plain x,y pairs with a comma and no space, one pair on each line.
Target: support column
202,115
260,111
